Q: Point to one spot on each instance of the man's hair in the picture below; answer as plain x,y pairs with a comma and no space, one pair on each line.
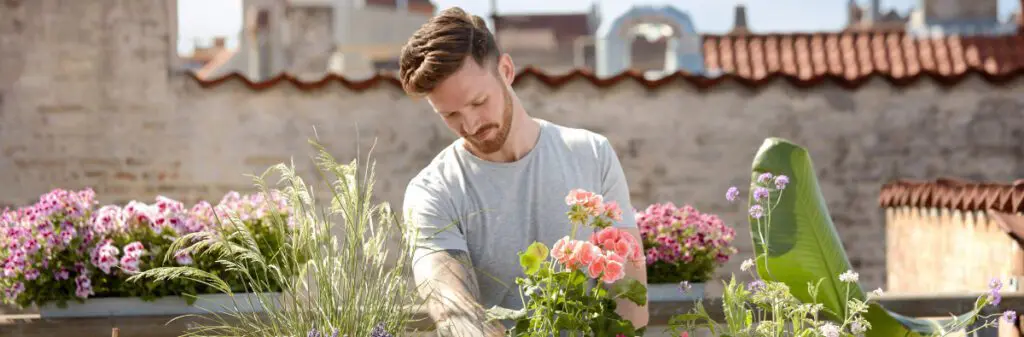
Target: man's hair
438,49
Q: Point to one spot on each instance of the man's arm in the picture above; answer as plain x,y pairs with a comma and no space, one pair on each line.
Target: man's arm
442,268
448,284
615,188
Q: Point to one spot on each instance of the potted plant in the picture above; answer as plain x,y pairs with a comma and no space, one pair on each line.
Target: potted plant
70,257
683,247
344,270
804,285
573,286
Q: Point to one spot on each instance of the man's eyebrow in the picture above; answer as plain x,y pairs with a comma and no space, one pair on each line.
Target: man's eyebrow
477,97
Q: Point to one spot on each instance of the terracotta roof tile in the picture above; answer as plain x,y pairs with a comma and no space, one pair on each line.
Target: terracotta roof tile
954,194
848,59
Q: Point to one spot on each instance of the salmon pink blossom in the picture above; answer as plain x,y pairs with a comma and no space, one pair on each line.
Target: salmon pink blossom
562,250
613,271
596,268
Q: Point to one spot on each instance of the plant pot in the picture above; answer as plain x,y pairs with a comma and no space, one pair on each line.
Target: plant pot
164,306
668,292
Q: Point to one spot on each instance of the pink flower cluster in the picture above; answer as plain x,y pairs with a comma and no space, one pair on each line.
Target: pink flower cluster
65,235
592,204
602,257
680,235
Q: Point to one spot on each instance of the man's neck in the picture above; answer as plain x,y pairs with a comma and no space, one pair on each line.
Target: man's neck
520,142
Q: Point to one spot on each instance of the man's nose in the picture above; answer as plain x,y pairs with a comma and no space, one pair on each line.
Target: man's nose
473,122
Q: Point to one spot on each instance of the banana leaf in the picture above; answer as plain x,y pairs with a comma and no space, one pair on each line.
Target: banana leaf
804,246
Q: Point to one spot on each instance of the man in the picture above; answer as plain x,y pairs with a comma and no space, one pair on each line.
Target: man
498,188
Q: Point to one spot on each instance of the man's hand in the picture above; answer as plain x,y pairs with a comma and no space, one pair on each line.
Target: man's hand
447,282
639,315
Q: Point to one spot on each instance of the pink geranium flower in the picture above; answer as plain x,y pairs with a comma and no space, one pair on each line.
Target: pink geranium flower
593,203
585,253
562,250
613,271
596,268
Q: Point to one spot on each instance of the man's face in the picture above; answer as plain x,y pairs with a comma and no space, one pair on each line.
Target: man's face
475,104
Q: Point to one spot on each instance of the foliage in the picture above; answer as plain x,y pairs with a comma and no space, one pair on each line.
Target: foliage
796,244
346,281
683,244
558,280
64,248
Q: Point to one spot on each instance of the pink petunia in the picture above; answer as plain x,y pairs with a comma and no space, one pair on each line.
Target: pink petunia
183,258
31,274
134,249
130,264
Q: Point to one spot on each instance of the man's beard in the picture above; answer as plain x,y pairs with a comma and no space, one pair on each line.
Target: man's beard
494,144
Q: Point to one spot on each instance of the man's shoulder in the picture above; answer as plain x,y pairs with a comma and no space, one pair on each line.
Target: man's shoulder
434,175
577,138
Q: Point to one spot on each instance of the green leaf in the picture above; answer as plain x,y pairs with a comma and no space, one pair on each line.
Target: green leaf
538,250
632,290
804,246
530,263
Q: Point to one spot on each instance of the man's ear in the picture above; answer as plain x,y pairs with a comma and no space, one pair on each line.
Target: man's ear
506,68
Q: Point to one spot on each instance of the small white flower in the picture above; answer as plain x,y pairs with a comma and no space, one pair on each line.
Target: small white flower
849,276
877,292
747,264
857,328
829,330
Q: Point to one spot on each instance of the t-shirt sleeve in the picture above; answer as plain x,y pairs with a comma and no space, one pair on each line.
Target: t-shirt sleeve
613,184
430,220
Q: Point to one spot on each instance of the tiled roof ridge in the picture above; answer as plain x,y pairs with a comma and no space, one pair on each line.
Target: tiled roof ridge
698,81
954,193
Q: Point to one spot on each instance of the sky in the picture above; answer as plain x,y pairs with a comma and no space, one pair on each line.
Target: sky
200,20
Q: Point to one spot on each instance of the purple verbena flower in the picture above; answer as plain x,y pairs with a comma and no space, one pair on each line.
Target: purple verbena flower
781,181
995,285
1009,316
756,211
760,193
732,193
684,286
379,331
764,178
755,285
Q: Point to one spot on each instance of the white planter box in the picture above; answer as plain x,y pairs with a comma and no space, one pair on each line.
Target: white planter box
164,306
666,292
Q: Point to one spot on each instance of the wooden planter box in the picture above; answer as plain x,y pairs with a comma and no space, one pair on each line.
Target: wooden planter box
164,306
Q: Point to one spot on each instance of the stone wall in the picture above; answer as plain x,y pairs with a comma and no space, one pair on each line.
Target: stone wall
90,102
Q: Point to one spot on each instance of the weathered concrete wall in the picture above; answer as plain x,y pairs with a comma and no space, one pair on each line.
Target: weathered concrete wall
938,250
311,41
90,102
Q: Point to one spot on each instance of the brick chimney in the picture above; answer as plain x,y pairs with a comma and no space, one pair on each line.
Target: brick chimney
739,25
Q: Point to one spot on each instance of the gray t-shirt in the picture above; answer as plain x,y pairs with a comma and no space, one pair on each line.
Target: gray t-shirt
495,210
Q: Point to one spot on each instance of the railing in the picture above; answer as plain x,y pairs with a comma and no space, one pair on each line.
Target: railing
922,305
